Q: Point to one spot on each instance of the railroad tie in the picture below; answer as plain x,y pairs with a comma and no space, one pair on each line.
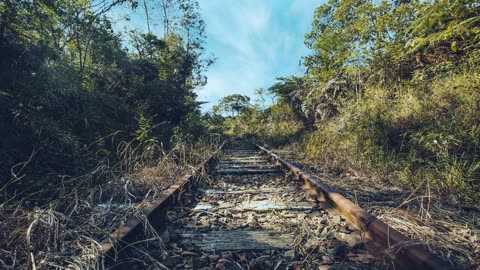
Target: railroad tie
249,214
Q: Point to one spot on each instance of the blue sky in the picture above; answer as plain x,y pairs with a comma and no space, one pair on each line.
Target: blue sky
254,42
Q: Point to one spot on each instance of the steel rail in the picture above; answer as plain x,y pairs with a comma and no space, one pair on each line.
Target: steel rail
404,252
154,212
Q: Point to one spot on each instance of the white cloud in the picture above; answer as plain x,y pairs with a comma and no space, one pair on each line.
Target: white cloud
254,41
234,34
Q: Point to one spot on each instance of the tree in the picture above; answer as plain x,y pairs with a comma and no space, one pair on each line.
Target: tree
261,97
289,91
235,103
350,35
446,30
67,83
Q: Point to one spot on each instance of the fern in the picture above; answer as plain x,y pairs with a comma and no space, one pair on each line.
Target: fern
445,22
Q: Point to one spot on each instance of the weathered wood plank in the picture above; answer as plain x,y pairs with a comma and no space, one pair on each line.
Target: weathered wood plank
247,166
234,158
242,154
256,153
249,161
247,171
250,191
265,205
252,151
240,240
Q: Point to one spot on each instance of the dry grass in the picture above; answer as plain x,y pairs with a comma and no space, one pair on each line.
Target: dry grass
53,233
450,231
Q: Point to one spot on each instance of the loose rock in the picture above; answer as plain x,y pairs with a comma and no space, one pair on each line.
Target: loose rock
171,261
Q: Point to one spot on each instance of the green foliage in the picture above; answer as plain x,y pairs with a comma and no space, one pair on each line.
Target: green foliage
276,125
456,23
391,90
144,131
71,97
235,103
389,40
429,136
288,91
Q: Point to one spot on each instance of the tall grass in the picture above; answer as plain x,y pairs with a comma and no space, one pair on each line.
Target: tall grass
67,229
421,132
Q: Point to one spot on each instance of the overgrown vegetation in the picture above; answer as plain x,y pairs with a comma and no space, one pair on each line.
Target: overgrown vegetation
392,91
90,127
71,94
93,122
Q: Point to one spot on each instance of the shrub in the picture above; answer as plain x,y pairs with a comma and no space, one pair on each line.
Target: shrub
414,134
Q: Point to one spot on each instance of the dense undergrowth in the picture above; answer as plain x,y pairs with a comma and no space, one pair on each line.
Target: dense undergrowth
90,129
71,95
92,123
275,127
82,211
425,134
392,92
416,135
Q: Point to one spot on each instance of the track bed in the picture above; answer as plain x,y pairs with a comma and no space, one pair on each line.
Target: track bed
250,214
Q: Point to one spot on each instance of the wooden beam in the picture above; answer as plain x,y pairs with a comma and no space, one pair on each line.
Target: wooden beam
240,240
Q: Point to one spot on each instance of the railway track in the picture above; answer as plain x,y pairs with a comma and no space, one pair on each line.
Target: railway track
254,210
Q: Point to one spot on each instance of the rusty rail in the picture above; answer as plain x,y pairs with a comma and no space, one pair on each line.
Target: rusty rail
383,239
154,212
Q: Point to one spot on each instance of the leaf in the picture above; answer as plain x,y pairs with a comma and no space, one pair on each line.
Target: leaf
454,46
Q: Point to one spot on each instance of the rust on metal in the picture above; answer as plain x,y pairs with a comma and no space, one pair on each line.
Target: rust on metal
405,252
154,212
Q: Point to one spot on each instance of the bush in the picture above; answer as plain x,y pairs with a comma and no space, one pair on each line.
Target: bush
419,133
274,126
